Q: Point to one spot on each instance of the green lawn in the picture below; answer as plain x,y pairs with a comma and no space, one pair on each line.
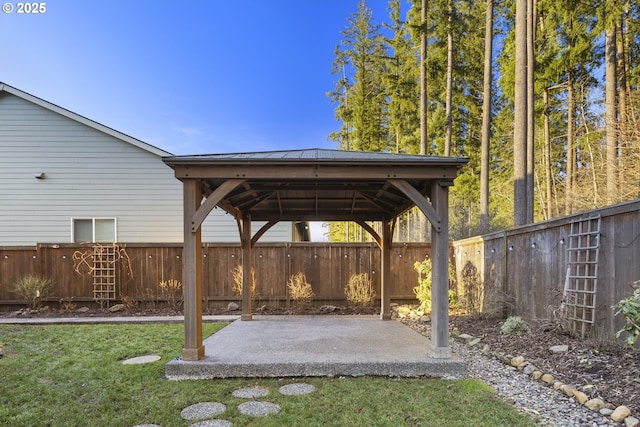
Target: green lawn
72,375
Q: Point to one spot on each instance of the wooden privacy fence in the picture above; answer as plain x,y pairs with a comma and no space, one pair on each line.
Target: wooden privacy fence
523,270
140,268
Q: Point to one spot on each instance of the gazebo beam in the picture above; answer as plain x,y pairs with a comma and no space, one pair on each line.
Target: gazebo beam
416,197
212,201
371,231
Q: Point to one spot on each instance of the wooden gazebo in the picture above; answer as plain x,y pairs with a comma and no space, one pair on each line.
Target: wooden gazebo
314,185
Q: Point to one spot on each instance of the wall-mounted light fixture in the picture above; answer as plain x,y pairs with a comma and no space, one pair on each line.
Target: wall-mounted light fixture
39,175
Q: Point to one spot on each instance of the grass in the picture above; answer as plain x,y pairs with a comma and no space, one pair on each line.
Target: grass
62,375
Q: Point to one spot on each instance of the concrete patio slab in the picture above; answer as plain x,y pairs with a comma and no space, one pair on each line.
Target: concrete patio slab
303,346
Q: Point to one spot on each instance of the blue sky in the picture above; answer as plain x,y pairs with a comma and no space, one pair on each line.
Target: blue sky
189,77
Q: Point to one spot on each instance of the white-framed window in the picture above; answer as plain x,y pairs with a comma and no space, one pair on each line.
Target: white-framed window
93,230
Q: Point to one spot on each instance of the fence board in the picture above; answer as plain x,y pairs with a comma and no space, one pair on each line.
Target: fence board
14,263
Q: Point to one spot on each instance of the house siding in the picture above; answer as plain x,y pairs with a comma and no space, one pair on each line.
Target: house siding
89,174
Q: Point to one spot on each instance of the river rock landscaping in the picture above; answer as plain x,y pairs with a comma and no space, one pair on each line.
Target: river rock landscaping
556,377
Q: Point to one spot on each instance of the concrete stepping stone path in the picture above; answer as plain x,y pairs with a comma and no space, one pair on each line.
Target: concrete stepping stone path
141,359
201,411
254,408
212,423
296,389
257,408
250,392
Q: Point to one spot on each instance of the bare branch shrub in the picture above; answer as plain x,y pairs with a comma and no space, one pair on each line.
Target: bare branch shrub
130,303
359,290
237,281
34,289
67,303
171,291
300,290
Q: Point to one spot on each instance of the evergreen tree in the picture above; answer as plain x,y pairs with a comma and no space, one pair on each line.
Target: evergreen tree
361,92
402,83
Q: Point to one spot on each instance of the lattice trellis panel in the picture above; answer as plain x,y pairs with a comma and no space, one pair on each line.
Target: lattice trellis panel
581,283
104,273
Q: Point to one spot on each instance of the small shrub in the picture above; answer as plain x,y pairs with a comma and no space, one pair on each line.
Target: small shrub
300,290
130,303
629,308
472,288
34,289
423,290
171,291
359,291
514,325
67,304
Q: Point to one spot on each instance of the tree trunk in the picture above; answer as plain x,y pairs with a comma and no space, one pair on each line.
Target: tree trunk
449,90
423,80
611,131
486,119
520,117
547,154
623,129
571,156
530,107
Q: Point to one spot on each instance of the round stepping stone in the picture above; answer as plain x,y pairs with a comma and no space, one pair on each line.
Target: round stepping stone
250,392
256,408
203,410
212,423
296,389
141,359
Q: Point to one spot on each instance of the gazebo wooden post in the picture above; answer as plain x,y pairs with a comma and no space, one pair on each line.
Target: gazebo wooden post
385,279
440,273
246,269
192,258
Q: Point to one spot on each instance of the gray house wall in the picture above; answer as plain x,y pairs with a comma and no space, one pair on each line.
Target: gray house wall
90,171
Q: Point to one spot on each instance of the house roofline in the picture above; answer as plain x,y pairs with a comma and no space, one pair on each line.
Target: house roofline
81,119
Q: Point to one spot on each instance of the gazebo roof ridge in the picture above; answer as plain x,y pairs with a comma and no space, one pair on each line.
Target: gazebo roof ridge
310,155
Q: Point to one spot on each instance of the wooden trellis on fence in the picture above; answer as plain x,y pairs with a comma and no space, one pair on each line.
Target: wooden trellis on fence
104,273
581,282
